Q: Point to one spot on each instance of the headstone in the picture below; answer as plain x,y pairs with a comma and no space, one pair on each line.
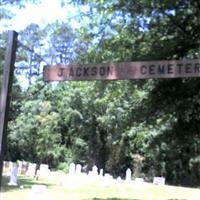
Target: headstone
19,167
101,172
31,169
78,169
139,181
43,170
24,168
44,167
13,175
128,175
119,179
159,180
10,166
94,170
72,169
6,168
90,173
108,180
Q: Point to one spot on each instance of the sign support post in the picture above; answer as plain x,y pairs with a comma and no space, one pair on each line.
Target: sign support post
6,87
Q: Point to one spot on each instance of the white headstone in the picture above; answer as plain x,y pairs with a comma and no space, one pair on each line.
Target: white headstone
78,169
108,180
139,181
11,164
94,170
31,169
13,175
19,167
119,179
101,172
43,170
128,175
44,167
72,169
6,168
159,180
24,167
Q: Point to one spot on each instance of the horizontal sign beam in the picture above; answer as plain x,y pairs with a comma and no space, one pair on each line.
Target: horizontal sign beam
120,71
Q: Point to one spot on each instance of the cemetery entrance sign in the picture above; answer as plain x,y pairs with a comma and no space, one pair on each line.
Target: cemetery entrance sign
126,70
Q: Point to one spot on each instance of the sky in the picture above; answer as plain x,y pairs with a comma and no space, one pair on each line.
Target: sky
43,13
47,11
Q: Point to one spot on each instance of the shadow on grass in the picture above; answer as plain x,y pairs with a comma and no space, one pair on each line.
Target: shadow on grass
23,181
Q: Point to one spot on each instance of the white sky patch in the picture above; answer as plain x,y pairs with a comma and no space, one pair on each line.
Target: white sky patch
42,14
47,12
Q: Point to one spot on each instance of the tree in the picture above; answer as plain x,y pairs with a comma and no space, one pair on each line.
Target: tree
34,134
154,31
151,126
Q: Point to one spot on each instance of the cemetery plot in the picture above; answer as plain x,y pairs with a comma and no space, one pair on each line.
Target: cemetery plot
84,186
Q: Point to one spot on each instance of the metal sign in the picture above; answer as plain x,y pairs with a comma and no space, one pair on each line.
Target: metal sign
120,71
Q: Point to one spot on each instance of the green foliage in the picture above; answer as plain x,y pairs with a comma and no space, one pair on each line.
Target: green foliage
150,126
169,113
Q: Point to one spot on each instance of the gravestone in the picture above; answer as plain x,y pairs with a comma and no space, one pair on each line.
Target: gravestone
78,169
43,170
159,181
128,175
72,169
94,170
10,165
107,180
31,169
24,168
19,167
119,179
101,172
139,181
13,175
6,168
44,167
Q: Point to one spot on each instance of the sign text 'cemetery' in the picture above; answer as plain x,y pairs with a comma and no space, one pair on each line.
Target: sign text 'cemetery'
126,70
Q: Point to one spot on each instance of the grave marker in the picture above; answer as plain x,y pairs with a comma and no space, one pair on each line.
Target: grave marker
128,175
159,181
6,168
72,169
101,172
13,175
78,169
19,167
24,167
31,169
94,170
43,171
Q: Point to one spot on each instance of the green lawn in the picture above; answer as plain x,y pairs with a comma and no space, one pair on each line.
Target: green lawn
75,189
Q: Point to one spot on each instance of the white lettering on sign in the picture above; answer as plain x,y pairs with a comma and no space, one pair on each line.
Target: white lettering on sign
129,70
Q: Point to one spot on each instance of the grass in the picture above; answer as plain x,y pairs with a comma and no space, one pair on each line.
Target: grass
60,186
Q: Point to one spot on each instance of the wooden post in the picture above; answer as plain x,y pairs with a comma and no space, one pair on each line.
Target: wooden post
6,93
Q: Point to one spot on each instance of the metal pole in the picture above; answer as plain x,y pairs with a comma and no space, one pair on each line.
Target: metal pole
6,87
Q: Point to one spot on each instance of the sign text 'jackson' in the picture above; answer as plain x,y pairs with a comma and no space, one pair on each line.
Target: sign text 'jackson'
126,70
